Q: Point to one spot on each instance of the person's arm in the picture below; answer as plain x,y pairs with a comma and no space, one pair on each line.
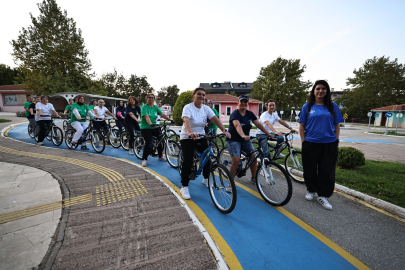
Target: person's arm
163,115
262,128
32,111
96,113
284,123
239,129
272,128
27,109
56,113
147,119
39,112
186,121
302,132
337,131
218,123
109,113
135,118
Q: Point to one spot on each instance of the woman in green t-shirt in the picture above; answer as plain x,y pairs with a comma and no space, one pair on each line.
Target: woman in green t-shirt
149,113
78,120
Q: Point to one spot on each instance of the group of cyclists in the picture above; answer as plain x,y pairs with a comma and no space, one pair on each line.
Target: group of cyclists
197,117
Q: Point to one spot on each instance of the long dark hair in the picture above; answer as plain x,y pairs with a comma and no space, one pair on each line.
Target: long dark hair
327,99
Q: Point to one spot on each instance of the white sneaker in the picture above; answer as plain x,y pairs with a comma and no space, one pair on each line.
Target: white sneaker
144,164
324,202
253,180
130,151
281,155
184,193
205,182
309,196
40,143
229,188
162,159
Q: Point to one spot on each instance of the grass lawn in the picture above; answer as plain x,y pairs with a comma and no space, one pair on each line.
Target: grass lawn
4,120
390,132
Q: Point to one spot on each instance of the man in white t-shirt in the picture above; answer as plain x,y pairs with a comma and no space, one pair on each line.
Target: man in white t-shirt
100,111
268,119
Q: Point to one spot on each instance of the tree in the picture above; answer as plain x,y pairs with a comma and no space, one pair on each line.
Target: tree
233,93
52,55
282,81
169,94
380,82
7,74
184,99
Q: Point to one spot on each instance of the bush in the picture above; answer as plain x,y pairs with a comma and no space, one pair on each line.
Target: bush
184,99
350,157
20,114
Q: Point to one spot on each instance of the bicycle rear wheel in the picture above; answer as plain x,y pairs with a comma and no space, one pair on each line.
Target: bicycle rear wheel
97,141
222,188
273,184
294,167
30,131
114,138
172,151
172,135
69,138
225,158
124,140
57,136
139,145
36,133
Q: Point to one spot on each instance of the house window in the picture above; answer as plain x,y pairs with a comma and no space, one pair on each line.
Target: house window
228,110
217,107
216,85
14,99
242,85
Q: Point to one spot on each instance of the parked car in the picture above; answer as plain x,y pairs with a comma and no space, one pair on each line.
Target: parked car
356,119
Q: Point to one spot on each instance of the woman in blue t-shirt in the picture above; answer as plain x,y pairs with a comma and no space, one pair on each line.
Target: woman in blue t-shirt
120,114
240,123
319,130
132,120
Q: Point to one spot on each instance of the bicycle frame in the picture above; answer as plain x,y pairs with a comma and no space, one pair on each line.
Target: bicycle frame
203,157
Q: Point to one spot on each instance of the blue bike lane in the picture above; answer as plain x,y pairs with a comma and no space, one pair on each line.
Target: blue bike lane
258,235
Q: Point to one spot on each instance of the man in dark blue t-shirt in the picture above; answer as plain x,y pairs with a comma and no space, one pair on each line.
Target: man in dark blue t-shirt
240,124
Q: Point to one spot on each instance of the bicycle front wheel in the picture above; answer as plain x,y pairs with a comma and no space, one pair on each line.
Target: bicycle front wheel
30,131
273,184
139,145
114,138
222,188
294,167
36,133
57,136
172,151
69,138
97,141
125,140
172,135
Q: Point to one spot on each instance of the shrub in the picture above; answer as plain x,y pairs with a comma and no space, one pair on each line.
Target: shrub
350,157
184,99
20,114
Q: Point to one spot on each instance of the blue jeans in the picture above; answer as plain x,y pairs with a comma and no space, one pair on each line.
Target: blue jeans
235,147
264,145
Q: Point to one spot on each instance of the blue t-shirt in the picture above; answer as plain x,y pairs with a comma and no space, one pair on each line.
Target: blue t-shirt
319,123
245,122
122,110
136,111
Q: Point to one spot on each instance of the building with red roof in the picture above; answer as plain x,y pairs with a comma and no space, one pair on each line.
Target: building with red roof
396,110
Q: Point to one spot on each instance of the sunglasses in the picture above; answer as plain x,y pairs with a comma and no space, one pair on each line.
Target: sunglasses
323,88
151,97
201,94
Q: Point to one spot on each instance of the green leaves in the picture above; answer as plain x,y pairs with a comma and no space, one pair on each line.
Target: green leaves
281,81
169,94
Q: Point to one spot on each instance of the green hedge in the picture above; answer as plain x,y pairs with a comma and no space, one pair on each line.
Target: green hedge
350,157
184,99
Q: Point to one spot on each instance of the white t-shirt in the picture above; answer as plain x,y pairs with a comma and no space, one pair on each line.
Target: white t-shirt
198,119
273,118
45,110
101,112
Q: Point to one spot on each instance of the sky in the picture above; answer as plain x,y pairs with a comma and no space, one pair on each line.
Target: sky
190,42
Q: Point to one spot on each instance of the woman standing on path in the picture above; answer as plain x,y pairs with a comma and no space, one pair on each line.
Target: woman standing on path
149,113
132,114
319,131
195,116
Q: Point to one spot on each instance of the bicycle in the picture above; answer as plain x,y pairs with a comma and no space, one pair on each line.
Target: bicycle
95,137
114,135
124,138
218,181
171,134
66,124
30,131
272,180
53,133
171,147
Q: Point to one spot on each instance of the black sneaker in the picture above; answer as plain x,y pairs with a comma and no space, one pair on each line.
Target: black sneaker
84,147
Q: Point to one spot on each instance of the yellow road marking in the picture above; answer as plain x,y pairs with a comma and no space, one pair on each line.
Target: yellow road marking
226,250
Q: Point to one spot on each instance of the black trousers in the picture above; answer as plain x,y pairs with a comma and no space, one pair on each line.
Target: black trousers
98,124
147,136
187,147
43,126
319,162
130,126
120,124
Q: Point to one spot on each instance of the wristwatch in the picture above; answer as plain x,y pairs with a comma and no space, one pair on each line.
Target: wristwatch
225,130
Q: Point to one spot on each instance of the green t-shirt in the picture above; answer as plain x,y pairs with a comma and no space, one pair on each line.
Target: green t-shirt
83,109
27,106
91,107
152,113
69,109
211,125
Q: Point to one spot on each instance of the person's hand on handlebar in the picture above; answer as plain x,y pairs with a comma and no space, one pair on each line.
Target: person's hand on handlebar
270,135
172,122
153,125
246,137
294,131
279,133
193,136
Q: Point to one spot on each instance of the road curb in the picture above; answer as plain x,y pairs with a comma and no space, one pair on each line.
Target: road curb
383,135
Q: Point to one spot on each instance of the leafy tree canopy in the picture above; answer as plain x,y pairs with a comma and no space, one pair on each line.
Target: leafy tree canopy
52,55
169,94
184,99
282,81
378,83
117,85
7,74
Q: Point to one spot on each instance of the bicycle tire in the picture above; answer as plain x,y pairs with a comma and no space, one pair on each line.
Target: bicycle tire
30,131
65,125
172,150
225,158
221,138
139,145
49,134
219,181
215,149
36,133
294,167
57,140
276,189
180,161
97,141
114,137
172,135
69,137
125,140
